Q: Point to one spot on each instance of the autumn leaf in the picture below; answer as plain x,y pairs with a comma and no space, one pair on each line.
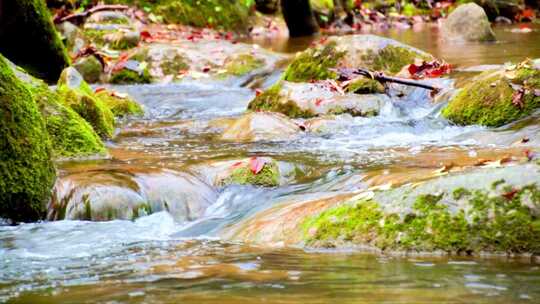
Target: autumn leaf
431,69
510,194
517,98
256,164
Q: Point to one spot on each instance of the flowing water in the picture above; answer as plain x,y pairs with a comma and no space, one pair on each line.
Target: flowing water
189,256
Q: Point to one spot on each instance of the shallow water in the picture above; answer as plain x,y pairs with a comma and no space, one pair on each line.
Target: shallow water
161,258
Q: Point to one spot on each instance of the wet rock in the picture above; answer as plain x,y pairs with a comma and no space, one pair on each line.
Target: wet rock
484,210
496,98
109,17
74,38
30,40
79,96
70,134
110,195
89,67
305,100
132,72
261,126
468,23
120,104
328,124
113,30
27,172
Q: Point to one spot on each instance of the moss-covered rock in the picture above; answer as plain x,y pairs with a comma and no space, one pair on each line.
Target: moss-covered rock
128,76
501,218
273,101
261,126
90,68
120,105
364,85
489,99
242,64
242,175
77,94
114,39
314,64
30,40
27,172
220,14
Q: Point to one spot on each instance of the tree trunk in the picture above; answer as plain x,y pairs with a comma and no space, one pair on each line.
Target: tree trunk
299,17
29,39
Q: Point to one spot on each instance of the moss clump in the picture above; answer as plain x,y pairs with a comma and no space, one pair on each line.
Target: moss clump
364,85
243,64
268,176
92,109
90,68
500,223
29,38
272,100
70,134
391,59
172,66
120,106
126,76
116,40
314,64
27,172
488,99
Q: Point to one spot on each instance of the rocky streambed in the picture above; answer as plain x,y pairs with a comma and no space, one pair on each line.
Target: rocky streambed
245,179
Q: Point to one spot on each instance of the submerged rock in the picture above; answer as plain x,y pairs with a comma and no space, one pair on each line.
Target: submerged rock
110,195
29,39
468,22
486,210
121,105
496,98
261,126
26,170
305,100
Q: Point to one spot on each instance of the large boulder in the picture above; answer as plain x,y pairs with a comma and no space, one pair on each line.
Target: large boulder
30,40
468,22
495,98
305,90
26,170
485,210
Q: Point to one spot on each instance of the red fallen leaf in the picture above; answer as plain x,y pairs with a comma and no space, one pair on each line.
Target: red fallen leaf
510,195
99,89
301,126
258,92
529,154
256,164
124,57
517,98
431,69
206,69
318,102
146,36
237,164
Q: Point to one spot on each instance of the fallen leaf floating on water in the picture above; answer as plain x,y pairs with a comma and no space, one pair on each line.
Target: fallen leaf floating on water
432,69
146,36
256,164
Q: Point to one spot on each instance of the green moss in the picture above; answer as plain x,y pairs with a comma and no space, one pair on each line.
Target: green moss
29,38
314,64
220,14
391,59
27,172
243,64
114,39
172,66
488,101
364,85
493,223
90,68
126,76
70,134
272,101
92,109
120,106
268,177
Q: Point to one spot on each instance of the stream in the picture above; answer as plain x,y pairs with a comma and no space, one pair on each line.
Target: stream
198,255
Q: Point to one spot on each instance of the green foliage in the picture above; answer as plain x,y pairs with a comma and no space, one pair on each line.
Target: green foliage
28,38
314,64
126,76
494,223
27,172
272,101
